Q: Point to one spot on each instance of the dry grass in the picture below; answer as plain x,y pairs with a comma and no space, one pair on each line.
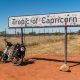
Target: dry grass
47,44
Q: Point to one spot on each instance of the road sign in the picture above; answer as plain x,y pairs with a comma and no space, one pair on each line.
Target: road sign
46,20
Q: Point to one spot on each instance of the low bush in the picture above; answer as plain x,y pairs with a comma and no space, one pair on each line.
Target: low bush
1,53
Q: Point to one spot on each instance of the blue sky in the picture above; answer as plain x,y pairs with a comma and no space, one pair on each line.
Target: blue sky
29,7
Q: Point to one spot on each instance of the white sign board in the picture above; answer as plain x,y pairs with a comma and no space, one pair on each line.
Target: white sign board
46,20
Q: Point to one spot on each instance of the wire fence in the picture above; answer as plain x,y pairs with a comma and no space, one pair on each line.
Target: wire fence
46,40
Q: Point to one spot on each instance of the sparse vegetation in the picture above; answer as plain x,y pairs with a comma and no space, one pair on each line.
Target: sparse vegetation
1,53
46,43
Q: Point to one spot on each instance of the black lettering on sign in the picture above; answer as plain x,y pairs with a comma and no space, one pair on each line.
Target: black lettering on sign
19,22
52,20
34,20
74,19
43,19
48,21
65,19
14,21
62,20
22,21
26,21
56,20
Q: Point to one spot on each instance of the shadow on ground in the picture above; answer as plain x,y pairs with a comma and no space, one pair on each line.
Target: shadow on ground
27,62
76,63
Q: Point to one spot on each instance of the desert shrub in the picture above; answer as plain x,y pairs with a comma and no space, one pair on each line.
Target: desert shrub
32,44
1,53
71,37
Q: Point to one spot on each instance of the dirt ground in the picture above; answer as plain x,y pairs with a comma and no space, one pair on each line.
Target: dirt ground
42,67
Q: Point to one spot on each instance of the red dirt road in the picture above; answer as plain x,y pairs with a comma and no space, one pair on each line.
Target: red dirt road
42,67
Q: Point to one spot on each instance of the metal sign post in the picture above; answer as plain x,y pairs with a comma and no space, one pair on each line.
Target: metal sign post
65,44
65,67
21,35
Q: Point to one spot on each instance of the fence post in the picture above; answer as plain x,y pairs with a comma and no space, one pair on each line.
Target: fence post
5,33
24,35
15,31
44,32
21,35
39,34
